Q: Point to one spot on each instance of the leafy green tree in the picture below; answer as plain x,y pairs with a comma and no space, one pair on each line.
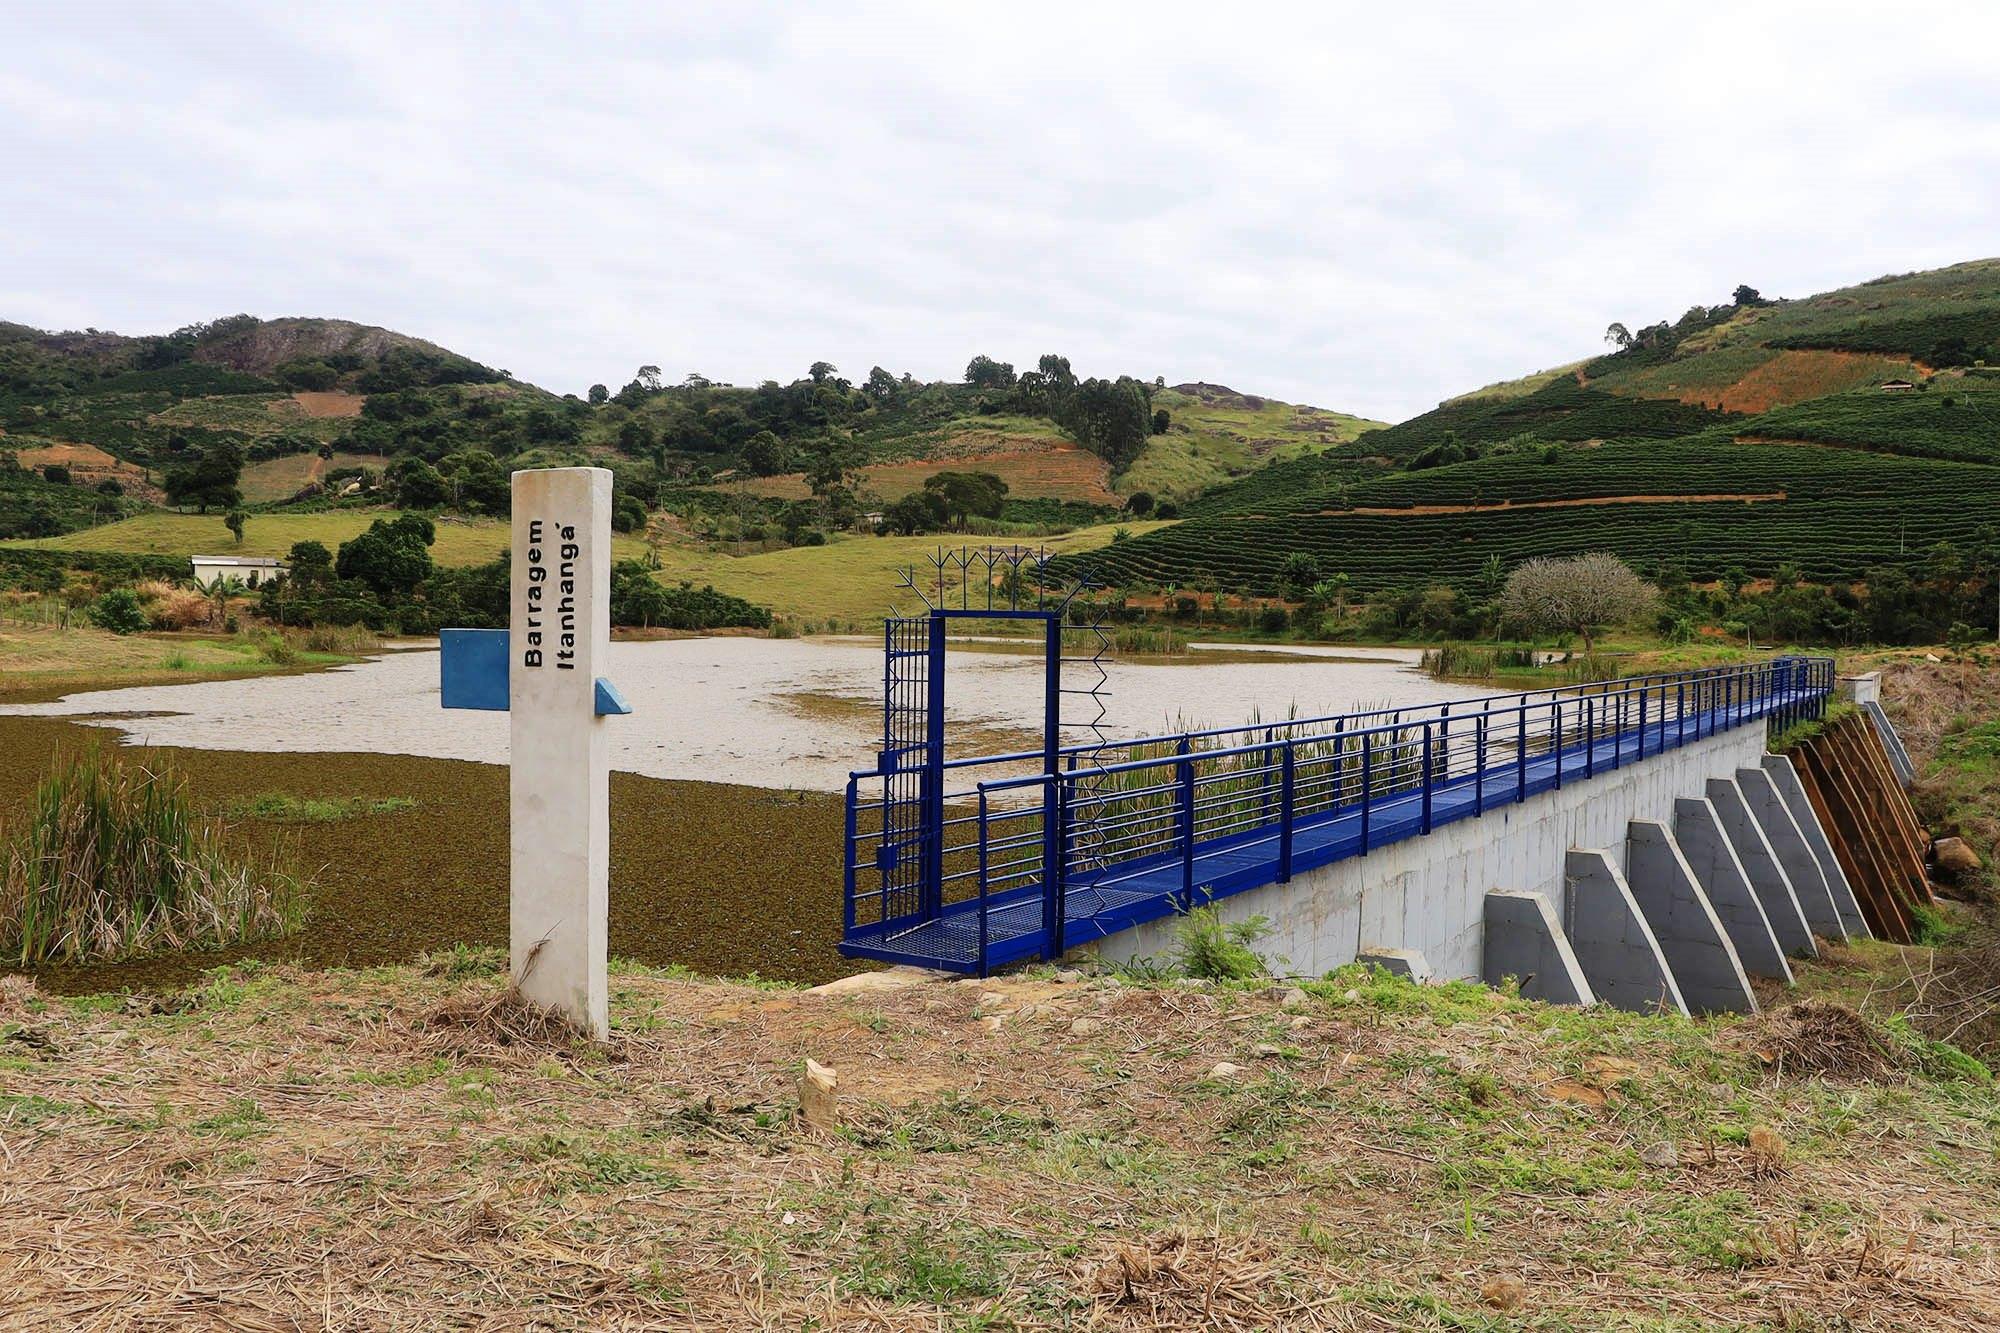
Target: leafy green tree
882,387
479,482
599,395
1111,419
392,557
827,464
235,520
56,474
1140,503
635,438
765,454
983,372
1745,294
919,511
210,479
1161,420
417,485
967,495
822,371
310,562
1298,574
118,611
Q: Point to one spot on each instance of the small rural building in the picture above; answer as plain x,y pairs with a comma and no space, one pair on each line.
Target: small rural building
1897,386
252,571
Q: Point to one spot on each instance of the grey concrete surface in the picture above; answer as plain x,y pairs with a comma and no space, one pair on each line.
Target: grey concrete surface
1691,935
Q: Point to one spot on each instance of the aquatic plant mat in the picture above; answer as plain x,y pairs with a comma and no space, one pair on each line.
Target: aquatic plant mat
720,878
277,1148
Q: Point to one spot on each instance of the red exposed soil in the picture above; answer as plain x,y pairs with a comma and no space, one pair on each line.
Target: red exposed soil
329,404
1576,503
89,465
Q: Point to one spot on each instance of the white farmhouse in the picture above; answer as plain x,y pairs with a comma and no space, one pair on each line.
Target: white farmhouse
252,571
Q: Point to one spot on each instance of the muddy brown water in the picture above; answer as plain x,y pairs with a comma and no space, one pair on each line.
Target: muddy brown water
738,872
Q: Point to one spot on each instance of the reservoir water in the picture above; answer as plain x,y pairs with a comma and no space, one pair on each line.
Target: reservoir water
777,713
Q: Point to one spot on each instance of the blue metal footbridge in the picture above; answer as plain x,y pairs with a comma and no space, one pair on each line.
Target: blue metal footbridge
970,864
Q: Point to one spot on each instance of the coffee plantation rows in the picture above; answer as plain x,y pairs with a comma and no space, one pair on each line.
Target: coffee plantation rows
1277,487
1558,411
1976,328
1697,466
1954,419
1828,538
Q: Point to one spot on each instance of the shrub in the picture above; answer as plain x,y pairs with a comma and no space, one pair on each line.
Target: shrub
1206,947
115,862
118,611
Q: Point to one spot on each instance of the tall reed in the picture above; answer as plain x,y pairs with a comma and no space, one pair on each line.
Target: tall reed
116,862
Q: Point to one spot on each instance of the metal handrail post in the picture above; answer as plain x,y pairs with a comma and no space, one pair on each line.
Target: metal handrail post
1521,751
1642,723
1367,784
1427,777
983,923
1556,737
1479,764
848,873
1186,779
1589,737
1286,818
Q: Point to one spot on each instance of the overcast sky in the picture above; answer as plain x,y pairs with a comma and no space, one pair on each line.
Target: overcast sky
1366,207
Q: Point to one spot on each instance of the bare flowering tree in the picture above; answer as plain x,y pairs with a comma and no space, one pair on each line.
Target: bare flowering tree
1579,596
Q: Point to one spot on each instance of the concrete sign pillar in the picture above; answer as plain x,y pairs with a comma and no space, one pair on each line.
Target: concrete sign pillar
560,788
544,672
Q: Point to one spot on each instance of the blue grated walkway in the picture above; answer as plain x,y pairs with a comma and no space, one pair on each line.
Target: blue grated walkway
1012,926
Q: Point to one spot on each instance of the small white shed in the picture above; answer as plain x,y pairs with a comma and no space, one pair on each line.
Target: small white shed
252,571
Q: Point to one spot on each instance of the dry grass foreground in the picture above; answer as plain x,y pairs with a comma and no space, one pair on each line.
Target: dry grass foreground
278,1149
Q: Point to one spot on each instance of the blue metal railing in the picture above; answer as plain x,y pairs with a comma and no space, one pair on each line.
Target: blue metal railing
1149,827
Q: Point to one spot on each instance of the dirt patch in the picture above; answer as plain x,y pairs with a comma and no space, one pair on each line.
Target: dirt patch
89,465
1580,502
1795,376
1033,469
332,403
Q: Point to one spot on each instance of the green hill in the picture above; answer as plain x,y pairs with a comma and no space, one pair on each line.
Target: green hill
321,411
1836,435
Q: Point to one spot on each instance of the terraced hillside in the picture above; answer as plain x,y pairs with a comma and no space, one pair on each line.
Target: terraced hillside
1876,436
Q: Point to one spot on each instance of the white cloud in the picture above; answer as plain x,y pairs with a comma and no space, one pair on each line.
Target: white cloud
1364,207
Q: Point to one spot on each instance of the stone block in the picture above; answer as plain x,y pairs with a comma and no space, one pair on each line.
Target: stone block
1403,962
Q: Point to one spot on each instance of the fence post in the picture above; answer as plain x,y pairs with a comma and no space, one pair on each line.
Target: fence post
1556,740
1367,784
1427,777
1642,722
1521,751
847,877
1479,762
982,879
1339,759
1285,817
1185,774
1680,712
1589,737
